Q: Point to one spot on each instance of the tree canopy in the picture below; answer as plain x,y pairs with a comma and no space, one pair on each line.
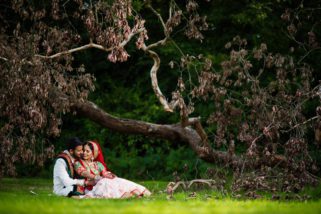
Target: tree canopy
236,81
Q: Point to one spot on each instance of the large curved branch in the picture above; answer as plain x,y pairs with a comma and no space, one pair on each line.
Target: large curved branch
128,126
153,75
156,59
171,132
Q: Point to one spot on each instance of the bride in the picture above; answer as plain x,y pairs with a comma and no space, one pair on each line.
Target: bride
93,167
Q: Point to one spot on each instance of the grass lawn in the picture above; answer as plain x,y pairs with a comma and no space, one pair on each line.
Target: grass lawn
35,196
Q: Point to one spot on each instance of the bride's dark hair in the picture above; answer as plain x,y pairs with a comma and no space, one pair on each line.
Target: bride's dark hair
90,146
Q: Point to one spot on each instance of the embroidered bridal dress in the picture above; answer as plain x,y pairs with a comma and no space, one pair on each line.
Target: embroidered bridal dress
108,185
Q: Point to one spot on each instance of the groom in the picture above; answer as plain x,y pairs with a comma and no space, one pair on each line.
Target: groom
63,173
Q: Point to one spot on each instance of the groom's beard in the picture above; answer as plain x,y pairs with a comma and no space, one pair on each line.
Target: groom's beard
81,156
78,157
74,156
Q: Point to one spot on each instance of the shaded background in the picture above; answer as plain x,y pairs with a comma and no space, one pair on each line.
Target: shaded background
124,89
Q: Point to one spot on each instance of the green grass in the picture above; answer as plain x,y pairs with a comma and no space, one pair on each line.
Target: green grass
16,197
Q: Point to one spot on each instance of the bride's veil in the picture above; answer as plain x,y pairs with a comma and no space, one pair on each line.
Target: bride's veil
98,153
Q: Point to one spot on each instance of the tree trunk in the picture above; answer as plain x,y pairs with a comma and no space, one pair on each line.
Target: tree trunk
171,132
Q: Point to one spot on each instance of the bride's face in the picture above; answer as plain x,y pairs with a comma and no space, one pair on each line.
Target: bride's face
87,153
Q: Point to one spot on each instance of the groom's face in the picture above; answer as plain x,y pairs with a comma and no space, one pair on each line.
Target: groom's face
77,152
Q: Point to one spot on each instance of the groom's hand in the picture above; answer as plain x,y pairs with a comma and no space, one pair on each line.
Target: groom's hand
90,183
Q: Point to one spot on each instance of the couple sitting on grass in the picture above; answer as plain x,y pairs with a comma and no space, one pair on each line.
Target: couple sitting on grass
81,172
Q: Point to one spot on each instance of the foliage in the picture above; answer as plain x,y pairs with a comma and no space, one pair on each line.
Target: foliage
31,105
29,123
260,98
105,25
264,102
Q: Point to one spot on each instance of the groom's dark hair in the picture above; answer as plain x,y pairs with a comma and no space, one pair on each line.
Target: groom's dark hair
73,143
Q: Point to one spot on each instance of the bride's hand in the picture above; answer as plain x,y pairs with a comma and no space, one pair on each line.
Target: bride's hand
97,178
110,175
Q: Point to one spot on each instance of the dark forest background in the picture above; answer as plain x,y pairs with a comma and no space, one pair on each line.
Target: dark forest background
124,89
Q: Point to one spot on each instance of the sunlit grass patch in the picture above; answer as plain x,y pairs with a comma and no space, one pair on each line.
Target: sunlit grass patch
35,196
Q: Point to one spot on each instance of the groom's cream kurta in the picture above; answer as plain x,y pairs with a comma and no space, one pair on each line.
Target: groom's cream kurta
63,183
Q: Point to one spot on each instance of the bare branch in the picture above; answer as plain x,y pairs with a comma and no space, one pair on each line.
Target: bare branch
156,44
84,47
92,45
307,54
22,61
153,76
160,19
300,124
209,182
184,116
3,58
166,33
196,121
172,186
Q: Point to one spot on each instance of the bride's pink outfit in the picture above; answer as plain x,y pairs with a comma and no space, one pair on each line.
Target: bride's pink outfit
109,186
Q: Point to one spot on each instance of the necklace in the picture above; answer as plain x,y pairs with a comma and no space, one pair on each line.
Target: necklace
89,163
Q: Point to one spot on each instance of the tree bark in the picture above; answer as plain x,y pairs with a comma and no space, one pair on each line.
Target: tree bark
172,132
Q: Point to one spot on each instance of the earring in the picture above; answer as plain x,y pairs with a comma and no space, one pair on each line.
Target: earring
92,159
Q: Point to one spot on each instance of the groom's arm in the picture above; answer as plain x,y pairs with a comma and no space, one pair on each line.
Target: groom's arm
60,171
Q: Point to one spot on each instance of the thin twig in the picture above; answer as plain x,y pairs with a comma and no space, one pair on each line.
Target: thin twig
300,124
163,41
3,58
160,19
307,53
